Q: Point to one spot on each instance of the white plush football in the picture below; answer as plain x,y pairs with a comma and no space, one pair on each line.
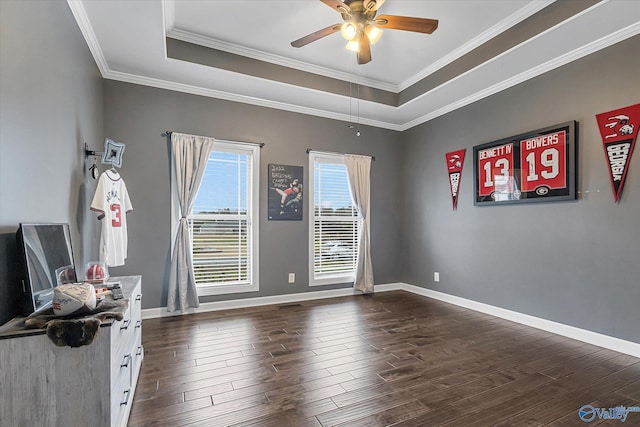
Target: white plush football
67,299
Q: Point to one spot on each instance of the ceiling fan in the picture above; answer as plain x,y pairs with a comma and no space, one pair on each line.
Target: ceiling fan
361,27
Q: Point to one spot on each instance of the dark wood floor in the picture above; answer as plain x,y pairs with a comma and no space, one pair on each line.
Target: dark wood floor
393,358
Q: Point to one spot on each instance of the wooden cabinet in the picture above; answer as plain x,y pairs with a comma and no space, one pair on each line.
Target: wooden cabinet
45,385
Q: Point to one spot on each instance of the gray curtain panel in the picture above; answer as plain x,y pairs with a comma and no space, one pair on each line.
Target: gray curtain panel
190,154
359,172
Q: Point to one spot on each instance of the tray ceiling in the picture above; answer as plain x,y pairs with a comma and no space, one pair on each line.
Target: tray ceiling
240,51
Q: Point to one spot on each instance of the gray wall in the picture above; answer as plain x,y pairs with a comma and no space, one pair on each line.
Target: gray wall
576,262
50,103
571,262
138,115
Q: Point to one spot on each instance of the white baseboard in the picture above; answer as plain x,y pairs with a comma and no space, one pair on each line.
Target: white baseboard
151,313
601,340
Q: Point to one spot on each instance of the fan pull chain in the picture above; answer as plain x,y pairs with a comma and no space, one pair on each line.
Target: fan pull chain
358,110
350,95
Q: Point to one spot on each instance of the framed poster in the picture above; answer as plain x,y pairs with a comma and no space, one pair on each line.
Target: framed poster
537,166
285,192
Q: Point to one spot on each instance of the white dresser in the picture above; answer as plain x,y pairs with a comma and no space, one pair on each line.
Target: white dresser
45,385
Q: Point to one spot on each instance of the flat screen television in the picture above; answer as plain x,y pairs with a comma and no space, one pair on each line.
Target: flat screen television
46,260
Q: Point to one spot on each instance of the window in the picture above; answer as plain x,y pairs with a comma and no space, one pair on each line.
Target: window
223,222
333,233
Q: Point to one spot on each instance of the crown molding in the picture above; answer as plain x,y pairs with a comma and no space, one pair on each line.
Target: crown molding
189,37
592,47
88,33
505,24
513,48
80,15
574,55
168,15
168,18
228,96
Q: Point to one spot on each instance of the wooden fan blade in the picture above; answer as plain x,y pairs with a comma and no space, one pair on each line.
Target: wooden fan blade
407,23
338,6
372,4
315,36
364,51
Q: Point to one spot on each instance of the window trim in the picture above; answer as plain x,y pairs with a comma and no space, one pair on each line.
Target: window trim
253,188
333,279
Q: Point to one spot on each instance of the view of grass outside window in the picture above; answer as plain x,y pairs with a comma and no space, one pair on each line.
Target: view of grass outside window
335,224
221,222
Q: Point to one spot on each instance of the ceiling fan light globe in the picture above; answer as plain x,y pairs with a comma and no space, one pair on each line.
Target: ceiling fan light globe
373,33
349,30
353,45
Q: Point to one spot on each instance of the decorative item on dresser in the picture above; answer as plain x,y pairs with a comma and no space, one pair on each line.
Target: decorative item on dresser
46,385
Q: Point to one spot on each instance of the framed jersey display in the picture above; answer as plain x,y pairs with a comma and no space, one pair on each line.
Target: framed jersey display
537,166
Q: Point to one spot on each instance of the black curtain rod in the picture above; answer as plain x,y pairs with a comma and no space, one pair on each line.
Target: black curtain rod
261,144
333,152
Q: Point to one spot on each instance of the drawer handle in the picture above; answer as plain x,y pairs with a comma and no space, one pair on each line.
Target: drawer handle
125,361
139,352
139,297
126,397
138,324
125,324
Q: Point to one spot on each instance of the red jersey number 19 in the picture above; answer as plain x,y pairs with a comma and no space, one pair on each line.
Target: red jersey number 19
543,160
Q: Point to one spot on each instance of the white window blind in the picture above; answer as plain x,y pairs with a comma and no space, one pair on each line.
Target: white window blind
334,234
223,234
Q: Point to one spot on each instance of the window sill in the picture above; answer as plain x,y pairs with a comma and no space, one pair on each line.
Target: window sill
332,280
207,290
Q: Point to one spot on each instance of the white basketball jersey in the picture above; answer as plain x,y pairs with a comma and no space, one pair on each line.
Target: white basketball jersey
112,200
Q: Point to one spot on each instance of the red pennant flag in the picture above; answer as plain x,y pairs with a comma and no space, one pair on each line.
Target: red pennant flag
455,161
619,130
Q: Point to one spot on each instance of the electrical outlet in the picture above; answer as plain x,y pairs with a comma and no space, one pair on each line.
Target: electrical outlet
292,277
436,276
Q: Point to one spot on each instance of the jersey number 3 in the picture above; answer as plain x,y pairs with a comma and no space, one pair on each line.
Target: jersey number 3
117,216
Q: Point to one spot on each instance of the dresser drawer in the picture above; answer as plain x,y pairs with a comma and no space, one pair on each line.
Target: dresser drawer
123,340
136,299
126,357
121,399
138,355
125,333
